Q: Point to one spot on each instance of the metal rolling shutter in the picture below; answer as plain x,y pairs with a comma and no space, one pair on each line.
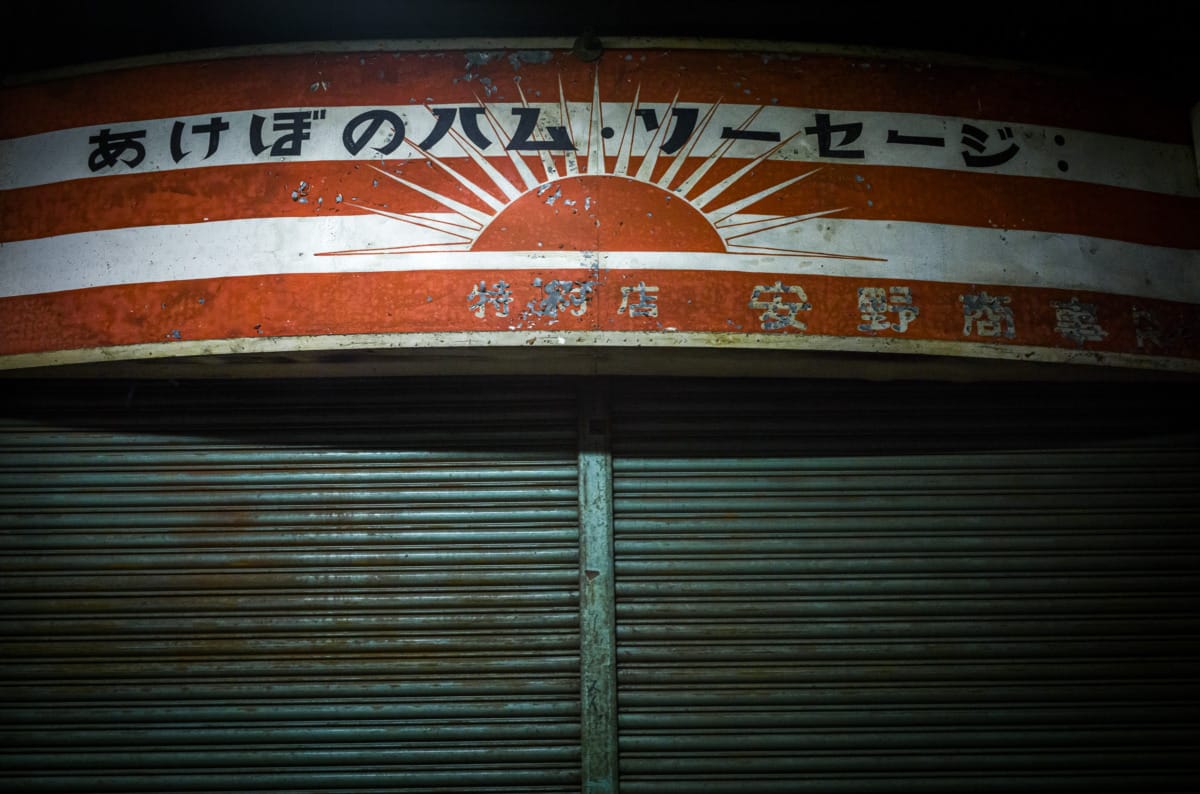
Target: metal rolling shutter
901,587
352,586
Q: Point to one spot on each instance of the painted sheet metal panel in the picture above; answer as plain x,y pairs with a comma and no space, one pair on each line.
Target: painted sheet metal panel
350,586
419,195
905,587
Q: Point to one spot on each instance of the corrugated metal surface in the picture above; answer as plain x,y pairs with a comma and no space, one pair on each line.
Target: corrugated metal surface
897,587
289,587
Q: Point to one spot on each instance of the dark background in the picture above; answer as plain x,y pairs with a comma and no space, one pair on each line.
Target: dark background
1152,43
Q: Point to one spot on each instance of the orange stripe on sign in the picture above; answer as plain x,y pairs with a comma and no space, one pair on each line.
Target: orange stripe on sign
656,302
866,192
397,79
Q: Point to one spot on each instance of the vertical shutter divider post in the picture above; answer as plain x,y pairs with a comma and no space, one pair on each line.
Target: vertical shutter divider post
596,593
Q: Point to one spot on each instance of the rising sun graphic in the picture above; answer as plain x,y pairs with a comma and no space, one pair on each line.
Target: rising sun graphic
594,198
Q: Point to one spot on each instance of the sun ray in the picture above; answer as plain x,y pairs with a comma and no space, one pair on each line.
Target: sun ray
625,147
436,217
470,213
710,195
760,249
476,155
595,164
416,248
467,233
517,160
570,161
509,190
773,222
690,183
478,190
548,165
680,157
721,214
645,172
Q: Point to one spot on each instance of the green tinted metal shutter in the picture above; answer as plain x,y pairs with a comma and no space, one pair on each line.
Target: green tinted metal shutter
903,587
375,586
289,587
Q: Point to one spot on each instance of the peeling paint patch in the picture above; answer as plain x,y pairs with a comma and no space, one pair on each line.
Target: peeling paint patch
519,57
481,57
300,194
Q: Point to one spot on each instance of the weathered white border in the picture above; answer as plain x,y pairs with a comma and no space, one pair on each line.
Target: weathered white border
596,340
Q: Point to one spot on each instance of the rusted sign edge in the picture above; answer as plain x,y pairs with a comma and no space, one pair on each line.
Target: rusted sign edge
931,57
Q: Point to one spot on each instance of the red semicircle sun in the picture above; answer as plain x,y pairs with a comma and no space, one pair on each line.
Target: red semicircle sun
599,213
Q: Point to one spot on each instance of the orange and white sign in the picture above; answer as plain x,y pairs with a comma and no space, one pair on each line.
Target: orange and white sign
655,196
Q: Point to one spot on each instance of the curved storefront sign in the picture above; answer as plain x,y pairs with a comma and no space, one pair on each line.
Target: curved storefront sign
654,196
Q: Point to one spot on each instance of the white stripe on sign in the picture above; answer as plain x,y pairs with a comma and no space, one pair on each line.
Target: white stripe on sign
926,252
801,135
